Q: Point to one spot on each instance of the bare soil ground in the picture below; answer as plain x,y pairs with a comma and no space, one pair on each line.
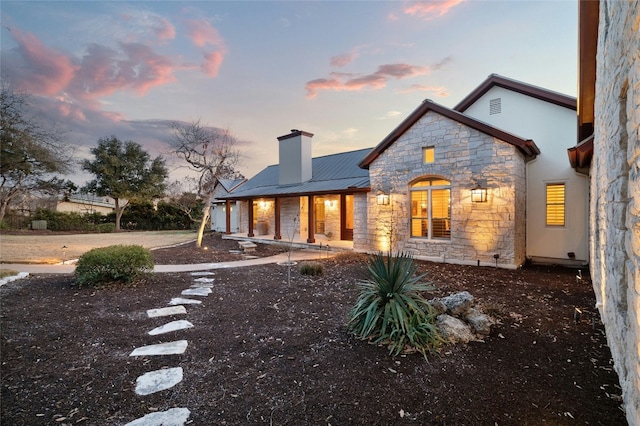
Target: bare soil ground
266,351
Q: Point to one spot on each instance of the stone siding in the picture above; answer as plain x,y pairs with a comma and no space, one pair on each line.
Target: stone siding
615,192
463,156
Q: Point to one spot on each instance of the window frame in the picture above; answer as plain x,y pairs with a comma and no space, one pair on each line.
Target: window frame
432,150
429,189
548,205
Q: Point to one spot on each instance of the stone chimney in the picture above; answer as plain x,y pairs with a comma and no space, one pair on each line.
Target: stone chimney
295,157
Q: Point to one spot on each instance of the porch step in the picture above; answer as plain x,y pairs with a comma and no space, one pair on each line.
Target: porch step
247,246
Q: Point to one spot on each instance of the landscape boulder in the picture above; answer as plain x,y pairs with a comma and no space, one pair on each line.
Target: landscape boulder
458,303
454,330
479,321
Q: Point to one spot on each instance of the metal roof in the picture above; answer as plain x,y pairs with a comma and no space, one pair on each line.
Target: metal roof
336,173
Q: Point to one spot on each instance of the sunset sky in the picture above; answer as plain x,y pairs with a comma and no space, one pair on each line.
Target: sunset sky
347,71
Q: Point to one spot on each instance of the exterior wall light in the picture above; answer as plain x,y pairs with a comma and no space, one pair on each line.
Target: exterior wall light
382,199
330,204
479,194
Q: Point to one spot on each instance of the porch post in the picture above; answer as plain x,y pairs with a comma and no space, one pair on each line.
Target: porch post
250,215
276,210
228,218
311,221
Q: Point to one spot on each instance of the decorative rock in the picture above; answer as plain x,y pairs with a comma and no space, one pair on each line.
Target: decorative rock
204,280
156,381
171,326
172,417
11,278
438,306
202,286
201,273
453,329
458,303
169,348
163,312
198,291
480,322
183,301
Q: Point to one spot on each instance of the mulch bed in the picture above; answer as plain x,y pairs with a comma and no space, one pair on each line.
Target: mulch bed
267,351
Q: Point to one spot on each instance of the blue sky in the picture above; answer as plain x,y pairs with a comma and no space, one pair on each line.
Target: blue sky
347,71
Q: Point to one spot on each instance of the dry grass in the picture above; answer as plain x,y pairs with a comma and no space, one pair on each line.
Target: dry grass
54,248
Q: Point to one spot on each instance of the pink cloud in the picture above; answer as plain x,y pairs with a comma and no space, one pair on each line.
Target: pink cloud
212,62
46,71
104,71
164,29
377,80
440,91
430,9
343,60
202,33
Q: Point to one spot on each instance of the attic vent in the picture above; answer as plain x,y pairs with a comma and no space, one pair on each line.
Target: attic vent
495,106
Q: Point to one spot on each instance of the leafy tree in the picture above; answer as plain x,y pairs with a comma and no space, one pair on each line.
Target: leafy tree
31,150
212,154
125,172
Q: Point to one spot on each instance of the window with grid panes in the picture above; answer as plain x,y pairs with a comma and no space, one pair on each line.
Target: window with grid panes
431,209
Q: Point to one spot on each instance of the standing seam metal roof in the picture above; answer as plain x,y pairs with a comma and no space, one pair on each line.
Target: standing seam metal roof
330,174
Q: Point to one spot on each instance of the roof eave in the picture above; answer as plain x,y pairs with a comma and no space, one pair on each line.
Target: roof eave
519,87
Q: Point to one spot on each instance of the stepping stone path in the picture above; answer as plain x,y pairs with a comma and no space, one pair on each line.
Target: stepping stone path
171,326
155,381
172,417
159,380
165,312
183,301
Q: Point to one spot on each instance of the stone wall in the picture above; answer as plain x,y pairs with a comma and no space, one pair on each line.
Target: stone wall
463,156
615,192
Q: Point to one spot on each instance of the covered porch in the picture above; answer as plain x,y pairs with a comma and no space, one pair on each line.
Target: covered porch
321,241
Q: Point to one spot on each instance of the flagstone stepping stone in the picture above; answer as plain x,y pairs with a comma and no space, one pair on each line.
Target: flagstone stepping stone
202,273
172,417
171,326
169,348
163,312
204,280
183,301
158,380
198,291
202,286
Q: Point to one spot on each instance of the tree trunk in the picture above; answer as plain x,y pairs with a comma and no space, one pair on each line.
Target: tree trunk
206,213
3,209
119,211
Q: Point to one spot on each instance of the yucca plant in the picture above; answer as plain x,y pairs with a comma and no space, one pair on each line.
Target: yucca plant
390,308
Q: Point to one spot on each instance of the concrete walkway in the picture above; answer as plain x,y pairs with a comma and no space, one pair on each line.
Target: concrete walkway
69,266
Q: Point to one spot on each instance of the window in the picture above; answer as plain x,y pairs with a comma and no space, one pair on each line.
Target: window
555,204
431,209
428,155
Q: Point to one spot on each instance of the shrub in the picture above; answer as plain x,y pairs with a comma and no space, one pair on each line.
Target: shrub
390,308
311,268
114,263
106,228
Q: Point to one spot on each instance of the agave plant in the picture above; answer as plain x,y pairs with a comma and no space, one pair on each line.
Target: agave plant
390,308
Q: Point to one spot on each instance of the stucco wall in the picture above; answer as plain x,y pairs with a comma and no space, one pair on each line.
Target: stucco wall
553,129
462,156
615,192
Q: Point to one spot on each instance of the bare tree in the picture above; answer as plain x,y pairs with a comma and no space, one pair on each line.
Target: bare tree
32,150
212,154
183,195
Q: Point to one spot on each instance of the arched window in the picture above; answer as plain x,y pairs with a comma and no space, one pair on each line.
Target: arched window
431,209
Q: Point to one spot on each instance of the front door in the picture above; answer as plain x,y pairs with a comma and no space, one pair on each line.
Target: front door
346,217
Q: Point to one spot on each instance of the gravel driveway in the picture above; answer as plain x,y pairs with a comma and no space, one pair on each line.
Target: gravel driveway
48,248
